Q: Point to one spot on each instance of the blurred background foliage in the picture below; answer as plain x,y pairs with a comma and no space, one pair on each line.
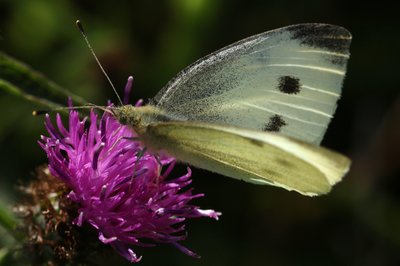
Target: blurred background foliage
358,223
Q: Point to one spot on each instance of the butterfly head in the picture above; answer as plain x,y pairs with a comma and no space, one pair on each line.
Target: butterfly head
136,117
127,115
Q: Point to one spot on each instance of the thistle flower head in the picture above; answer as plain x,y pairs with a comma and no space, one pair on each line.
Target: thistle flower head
123,191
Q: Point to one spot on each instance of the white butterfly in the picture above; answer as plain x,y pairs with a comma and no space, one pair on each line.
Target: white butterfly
255,110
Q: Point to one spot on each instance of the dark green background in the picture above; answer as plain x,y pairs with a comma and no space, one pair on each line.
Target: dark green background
358,223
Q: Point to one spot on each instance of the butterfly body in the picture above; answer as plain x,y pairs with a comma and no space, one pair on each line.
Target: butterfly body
255,110
139,117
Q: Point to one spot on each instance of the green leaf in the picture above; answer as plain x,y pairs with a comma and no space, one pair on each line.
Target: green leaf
10,88
19,79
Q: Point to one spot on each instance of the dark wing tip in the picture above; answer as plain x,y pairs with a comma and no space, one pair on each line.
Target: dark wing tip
324,36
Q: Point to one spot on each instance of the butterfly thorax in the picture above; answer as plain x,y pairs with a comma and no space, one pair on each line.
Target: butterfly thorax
139,117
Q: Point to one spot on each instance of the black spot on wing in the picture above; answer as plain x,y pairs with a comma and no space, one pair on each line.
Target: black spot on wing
323,36
289,84
275,123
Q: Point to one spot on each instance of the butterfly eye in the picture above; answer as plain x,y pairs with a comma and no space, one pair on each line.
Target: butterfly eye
123,120
120,115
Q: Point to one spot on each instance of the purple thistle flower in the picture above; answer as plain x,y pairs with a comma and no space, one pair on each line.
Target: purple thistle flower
121,189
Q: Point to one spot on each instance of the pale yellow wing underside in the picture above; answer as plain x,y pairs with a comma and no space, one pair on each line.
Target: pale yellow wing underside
249,155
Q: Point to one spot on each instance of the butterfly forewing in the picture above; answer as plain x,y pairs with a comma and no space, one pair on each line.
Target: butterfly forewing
287,81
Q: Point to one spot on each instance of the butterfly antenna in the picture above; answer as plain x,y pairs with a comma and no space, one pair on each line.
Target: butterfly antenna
80,27
42,112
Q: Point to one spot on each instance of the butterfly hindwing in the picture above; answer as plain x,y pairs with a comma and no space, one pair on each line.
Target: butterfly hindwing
249,155
286,80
